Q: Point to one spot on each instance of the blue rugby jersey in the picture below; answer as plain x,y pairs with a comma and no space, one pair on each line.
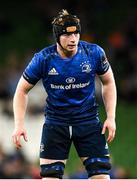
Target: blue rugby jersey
69,83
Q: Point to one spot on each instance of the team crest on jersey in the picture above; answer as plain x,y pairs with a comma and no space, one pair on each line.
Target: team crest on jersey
86,67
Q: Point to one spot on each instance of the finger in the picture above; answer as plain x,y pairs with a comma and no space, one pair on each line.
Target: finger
103,130
109,139
16,140
111,136
18,146
25,137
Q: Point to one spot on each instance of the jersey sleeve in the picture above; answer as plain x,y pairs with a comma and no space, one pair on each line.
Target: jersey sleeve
102,62
33,73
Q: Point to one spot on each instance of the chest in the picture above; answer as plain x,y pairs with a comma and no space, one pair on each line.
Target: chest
78,70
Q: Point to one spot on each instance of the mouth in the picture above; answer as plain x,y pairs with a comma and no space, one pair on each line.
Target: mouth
71,45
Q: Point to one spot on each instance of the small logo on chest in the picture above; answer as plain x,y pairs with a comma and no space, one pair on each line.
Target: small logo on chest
70,80
53,71
86,66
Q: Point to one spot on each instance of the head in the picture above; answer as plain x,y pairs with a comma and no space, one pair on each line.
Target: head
66,30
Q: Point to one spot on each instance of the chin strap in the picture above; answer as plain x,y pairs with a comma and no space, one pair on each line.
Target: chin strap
63,49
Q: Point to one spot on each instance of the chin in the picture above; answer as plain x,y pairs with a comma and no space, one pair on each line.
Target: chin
72,49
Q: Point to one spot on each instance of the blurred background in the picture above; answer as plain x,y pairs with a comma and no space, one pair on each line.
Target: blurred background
25,28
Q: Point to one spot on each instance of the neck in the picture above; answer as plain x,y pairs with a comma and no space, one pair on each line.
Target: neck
64,53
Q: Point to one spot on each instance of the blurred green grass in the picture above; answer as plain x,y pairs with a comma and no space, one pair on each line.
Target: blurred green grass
123,148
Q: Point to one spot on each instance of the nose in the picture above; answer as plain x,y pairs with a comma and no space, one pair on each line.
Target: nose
72,37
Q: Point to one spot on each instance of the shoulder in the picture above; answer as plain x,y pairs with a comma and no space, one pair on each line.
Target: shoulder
91,46
46,52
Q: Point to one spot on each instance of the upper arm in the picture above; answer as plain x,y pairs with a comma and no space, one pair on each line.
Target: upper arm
102,64
23,86
33,72
107,77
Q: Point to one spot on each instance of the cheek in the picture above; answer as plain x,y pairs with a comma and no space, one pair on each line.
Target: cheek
64,41
77,40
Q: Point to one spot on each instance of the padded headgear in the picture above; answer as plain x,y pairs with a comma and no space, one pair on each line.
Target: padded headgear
65,23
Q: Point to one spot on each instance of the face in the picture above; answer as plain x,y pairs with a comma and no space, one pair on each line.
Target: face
69,42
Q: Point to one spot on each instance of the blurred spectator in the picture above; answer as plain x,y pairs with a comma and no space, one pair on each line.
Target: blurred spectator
104,19
124,60
5,25
15,166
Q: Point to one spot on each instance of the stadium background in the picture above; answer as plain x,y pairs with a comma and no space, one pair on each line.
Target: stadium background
25,29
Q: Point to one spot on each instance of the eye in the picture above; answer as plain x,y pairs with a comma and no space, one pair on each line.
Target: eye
76,33
65,35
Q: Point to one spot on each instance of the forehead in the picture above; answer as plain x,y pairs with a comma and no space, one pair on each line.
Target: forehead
69,33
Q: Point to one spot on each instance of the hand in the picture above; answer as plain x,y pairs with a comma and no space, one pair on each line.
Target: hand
17,133
111,126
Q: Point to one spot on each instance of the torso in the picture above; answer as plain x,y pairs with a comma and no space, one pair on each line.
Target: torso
70,84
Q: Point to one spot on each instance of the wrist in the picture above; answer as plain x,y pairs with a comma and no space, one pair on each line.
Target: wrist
19,123
111,117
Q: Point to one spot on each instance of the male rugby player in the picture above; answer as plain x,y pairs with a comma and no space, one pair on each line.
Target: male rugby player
68,70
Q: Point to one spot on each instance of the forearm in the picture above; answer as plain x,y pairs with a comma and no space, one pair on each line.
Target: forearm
19,107
110,98
109,95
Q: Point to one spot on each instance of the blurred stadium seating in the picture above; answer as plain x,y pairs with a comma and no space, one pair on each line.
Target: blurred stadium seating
25,29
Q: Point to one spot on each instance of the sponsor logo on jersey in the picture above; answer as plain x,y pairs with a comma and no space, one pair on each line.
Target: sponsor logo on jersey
70,80
86,67
70,86
53,71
